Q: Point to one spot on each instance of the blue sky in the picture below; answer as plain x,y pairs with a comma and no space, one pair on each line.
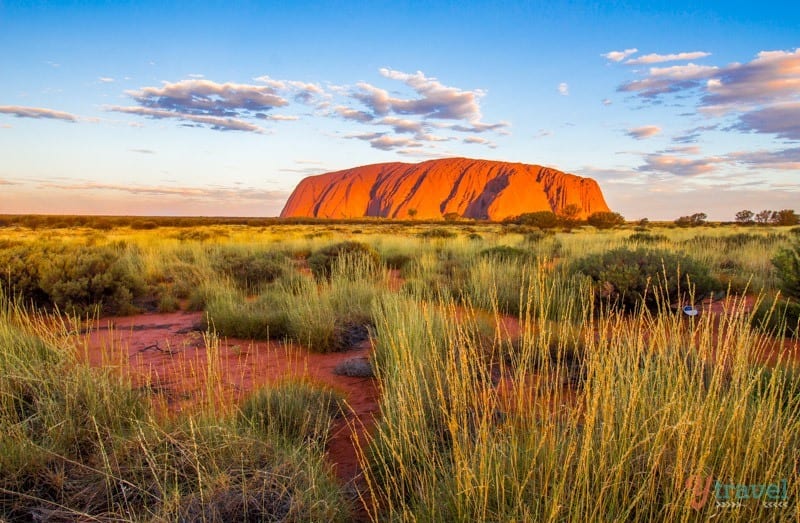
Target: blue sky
221,108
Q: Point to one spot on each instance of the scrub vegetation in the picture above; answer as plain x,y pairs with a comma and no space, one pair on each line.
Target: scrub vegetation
524,374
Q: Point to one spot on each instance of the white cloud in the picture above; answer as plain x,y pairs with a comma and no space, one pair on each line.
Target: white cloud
646,131
675,57
563,89
37,112
678,165
220,106
214,122
618,56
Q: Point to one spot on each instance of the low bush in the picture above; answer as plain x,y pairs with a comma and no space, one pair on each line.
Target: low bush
504,252
540,219
323,261
787,265
437,233
646,238
606,220
85,277
778,317
249,270
76,279
397,260
629,278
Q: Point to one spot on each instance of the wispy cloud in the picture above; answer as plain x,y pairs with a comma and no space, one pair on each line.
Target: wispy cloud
214,122
563,89
679,165
643,132
673,57
782,120
37,112
220,106
433,106
786,159
664,80
618,56
479,140
142,151
353,114
303,92
763,94
435,100
220,193
773,76
7,182
386,142
106,80
693,135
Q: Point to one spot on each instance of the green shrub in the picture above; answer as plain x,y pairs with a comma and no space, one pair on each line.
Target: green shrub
540,219
504,252
323,261
629,277
781,317
249,270
535,236
397,260
20,274
606,220
647,238
787,265
84,277
267,317
436,232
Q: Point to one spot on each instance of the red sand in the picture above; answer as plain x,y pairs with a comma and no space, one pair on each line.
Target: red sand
166,353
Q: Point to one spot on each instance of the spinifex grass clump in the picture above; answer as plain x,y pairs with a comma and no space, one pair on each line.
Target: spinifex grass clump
630,278
324,316
324,260
299,411
663,399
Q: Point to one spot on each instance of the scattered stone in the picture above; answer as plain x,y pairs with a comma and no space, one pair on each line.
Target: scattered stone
355,368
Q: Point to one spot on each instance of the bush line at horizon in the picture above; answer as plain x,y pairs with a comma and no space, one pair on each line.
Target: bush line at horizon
491,450
567,217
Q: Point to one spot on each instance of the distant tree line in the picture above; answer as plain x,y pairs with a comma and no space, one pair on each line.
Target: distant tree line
567,218
746,217
782,217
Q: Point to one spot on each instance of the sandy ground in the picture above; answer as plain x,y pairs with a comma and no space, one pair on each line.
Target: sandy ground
166,353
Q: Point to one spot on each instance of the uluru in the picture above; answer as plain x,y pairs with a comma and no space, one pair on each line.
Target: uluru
479,189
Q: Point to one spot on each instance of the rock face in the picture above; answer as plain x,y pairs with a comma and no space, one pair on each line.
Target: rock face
429,190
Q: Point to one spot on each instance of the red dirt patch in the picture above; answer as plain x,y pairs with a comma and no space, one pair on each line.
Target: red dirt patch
168,354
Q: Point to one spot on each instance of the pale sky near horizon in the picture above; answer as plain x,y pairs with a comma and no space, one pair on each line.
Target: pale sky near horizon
220,108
